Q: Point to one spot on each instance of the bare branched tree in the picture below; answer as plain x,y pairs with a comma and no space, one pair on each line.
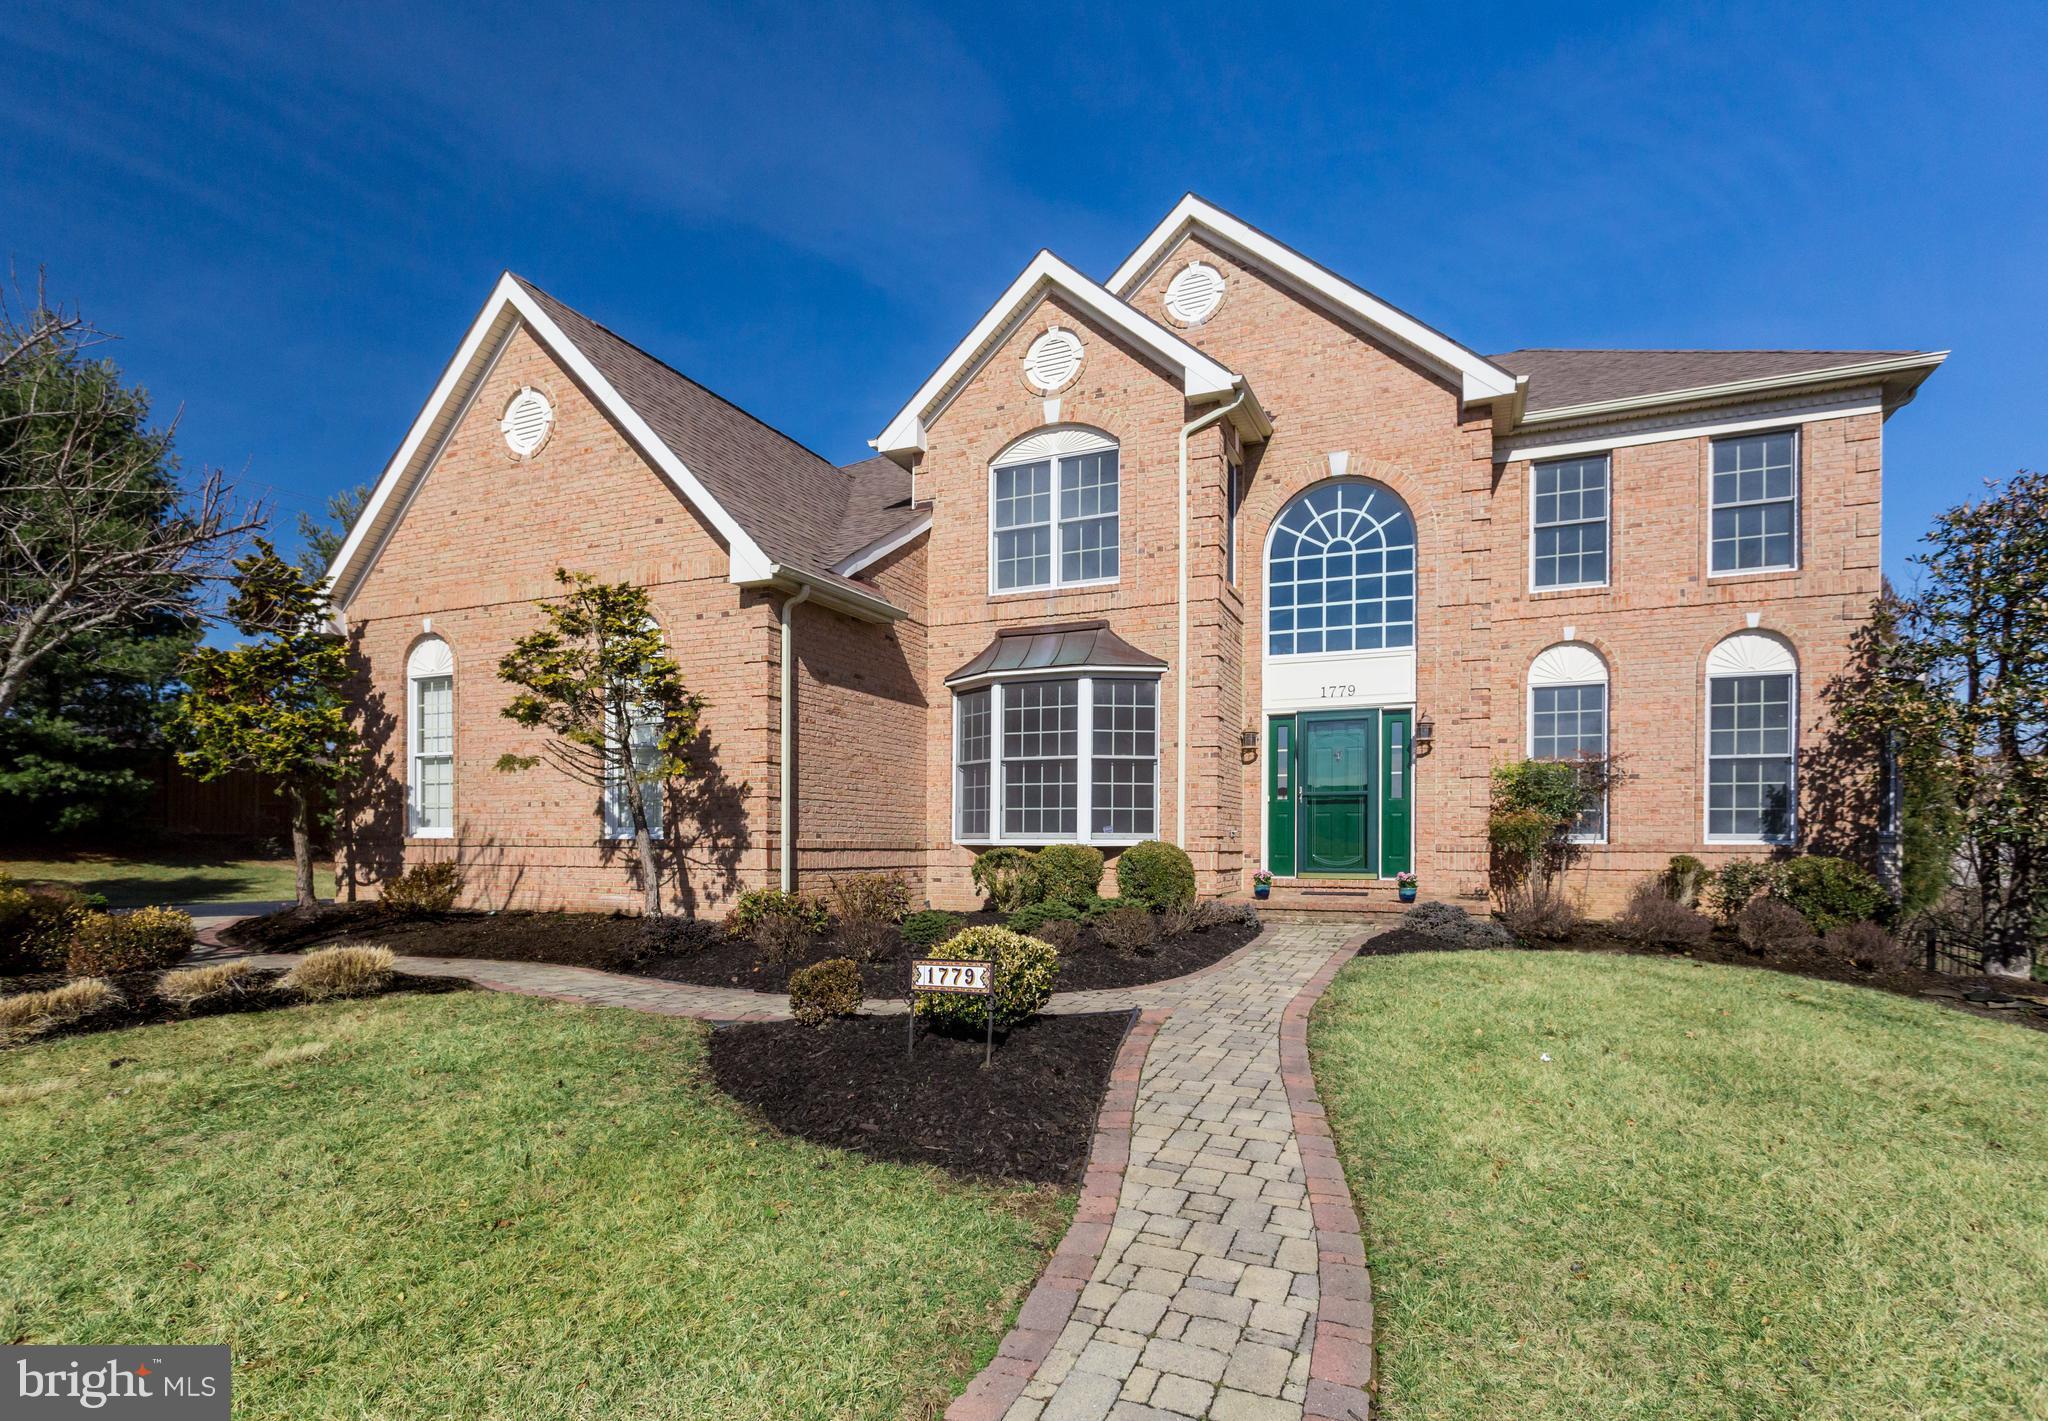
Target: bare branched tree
97,528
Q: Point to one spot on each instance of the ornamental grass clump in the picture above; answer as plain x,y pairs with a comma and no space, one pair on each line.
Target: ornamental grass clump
1656,919
1024,969
146,940
340,972
32,1014
192,986
423,889
824,990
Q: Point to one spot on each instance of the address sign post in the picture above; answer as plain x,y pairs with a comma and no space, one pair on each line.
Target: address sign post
961,976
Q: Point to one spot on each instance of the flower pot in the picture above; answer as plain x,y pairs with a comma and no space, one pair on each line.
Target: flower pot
1407,893
1262,890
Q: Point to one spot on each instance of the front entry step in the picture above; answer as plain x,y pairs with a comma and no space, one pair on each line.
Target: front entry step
1349,897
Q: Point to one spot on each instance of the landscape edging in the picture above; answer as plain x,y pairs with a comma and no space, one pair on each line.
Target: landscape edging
1057,1293
1341,1380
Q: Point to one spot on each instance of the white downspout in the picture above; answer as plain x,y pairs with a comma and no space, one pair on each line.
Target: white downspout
1180,699
789,606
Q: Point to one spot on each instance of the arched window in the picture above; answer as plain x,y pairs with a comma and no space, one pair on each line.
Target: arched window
1053,511
1568,719
430,712
1340,574
1752,739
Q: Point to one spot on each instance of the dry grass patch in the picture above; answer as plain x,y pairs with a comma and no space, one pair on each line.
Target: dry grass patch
193,985
340,972
33,1013
291,1055
12,1095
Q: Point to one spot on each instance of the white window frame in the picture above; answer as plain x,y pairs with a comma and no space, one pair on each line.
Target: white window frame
1574,664
1606,520
613,805
1051,446
1084,769
1743,655
1798,501
432,659
1413,573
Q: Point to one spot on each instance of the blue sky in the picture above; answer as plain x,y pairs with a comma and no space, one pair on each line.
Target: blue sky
290,215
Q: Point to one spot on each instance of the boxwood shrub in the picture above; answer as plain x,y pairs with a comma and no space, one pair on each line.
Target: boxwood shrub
1829,891
1007,878
1068,873
825,990
1157,874
1024,972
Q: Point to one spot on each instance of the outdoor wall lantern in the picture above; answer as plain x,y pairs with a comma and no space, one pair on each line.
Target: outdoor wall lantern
1425,732
1248,746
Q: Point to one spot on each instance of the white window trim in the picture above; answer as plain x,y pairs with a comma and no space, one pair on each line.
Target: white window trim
1266,593
1084,769
1575,676
1798,505
1770,656
1050,446
1536,590
430,660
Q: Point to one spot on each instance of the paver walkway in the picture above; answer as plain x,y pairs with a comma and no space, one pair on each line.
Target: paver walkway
1203,1303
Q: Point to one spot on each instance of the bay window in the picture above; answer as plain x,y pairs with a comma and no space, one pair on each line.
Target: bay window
1069,759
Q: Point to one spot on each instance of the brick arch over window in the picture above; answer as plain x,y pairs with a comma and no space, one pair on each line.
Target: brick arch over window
1340,571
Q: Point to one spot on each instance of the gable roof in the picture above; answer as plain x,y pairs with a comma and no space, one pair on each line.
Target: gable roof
781,509
1201,377
1480,379
1573,383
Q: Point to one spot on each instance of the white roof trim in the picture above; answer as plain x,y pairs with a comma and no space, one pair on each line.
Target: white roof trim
874,552
1481,379
1201,377
1920,364
510,302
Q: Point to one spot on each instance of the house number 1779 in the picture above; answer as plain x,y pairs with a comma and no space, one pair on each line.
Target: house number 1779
1339,693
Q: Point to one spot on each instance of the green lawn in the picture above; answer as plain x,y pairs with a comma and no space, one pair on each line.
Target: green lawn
1728,1193
481,1206
173,874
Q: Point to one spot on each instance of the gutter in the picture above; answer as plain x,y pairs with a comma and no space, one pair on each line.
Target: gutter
1180,698
788,807
782,577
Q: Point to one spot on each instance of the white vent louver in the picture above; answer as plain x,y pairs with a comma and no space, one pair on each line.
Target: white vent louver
1194,293
528,419
1053,359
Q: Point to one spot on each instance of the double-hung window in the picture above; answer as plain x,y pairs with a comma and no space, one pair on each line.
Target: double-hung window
1755,503
1071,759
430,677
1750,744
1053,513
1571,522
1570,723
641,736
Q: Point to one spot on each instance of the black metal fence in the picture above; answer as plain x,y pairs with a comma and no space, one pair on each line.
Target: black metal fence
1949,948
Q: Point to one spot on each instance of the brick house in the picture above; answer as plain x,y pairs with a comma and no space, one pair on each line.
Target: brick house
1225,550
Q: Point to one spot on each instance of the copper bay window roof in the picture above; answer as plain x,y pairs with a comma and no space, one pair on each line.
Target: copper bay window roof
1072,646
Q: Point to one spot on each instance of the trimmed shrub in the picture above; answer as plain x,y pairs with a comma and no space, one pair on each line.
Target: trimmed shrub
1735,884
1829,892
784,934
1656,919
882,897
339,972
1157,874
1176,922
36,926
1868,946
759,903
146,940
1024,972
1127,930
193,985
929,926
1769,925
1007,878
1068,873
1685,878
33,1013
1063,933
825,990
1452,924
1031,917
424,888
1545,915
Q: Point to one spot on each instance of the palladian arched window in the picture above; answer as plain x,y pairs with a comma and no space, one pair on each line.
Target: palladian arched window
1340,573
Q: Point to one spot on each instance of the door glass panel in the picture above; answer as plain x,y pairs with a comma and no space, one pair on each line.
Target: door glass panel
1397,759
1335,755
1280,760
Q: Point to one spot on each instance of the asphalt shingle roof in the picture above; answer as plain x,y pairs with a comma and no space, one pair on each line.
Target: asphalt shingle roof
1561,378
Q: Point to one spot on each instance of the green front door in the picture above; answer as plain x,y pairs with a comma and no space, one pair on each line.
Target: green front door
1333,802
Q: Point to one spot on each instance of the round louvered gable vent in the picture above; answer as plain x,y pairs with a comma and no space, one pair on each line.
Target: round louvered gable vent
1053,359
528,419
1194,293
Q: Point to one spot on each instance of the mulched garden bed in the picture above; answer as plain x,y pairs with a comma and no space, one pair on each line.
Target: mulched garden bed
696,952
140,1006
2025,1003
848,1083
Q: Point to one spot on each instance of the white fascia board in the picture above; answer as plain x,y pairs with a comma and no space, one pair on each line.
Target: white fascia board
1201,377
837,596
880,548
1481,380
1918,365
746,561
1660,427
